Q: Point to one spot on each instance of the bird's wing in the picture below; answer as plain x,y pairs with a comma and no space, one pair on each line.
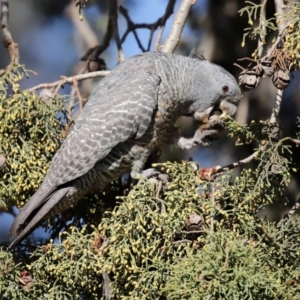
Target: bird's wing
120,108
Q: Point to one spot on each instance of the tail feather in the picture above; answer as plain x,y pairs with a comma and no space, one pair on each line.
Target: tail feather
33,213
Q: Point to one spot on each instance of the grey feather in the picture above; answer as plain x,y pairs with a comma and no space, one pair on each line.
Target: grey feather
197,54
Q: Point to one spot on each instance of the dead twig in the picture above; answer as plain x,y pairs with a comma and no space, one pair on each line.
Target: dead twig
64,80
75,84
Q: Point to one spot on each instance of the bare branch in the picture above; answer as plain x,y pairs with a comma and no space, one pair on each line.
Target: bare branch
168,12
279,5
289,214
160,22
131,27
234,165
8,41
75,84
114,14
179,21
275,44
93,53
158,38
220,169
69,80
281,27
275,113
263,32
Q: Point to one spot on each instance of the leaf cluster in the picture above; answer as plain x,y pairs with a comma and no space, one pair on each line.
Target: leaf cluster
148,250
31,130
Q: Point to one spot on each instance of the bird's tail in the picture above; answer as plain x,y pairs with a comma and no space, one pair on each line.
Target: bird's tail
33,213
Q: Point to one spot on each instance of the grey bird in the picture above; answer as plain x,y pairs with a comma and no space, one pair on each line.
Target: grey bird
130,115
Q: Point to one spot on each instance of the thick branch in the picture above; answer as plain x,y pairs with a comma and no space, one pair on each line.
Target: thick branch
262,21
179,21
8,41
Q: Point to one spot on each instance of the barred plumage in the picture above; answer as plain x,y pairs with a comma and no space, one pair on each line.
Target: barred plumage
130,114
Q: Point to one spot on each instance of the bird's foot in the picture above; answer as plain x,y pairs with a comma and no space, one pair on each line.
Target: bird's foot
151,174
204,134
200,138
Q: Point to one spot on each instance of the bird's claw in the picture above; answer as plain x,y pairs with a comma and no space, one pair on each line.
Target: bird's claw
204,134
199,138
152,174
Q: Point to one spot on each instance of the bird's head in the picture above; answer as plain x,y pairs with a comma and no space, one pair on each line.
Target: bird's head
213,88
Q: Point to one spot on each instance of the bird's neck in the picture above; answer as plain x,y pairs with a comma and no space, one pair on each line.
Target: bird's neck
176,87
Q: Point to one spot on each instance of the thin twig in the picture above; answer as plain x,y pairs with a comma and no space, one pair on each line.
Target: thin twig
71,103
220,169
289,214
75,84
212,198
83,28
64,80
132,27
176,30
279,5
236,164
182,241
114,14
93,53
168,12
192,231
277,41
158,38
275,113
281,28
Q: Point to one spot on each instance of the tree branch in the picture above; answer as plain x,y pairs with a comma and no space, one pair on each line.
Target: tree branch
262,21
131,27
169,11
69,80
114,14
160,22
93,53
179,21
8,41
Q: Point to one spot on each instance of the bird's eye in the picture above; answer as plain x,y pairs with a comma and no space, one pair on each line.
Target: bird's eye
225,88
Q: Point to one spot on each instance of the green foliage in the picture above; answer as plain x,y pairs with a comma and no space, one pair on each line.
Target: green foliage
234,266
254,13
292,36
145,246
31,130
247,134
149,250
260,27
